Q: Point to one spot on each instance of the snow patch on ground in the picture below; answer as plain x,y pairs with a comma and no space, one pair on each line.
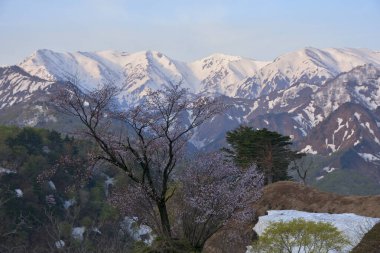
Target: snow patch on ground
340,125
6,171
110,181
255,106
329,170
77,233
59,244
351,225
69,203
199,142
139,232
369,157
308,149
310,112
319,178
372,132
52,185
357,116
19,193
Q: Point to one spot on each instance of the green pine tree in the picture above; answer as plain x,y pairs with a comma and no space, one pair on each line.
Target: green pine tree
270,151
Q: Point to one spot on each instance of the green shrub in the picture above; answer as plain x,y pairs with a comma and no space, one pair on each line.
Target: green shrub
65,229
161,245
309,235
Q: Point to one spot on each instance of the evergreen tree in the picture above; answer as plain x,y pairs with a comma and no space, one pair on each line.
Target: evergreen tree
270,151
29,138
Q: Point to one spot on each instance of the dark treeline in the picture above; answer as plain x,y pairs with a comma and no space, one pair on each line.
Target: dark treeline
48,186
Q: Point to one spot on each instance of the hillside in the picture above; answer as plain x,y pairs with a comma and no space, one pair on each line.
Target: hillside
370,242
287,195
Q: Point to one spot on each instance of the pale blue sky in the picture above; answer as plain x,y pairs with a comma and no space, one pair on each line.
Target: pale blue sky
186,29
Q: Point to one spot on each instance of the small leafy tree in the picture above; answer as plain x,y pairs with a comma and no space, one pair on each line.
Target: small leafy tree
300,235
270,151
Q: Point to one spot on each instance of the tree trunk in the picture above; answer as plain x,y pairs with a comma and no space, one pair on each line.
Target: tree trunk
270,176
164,218
269,179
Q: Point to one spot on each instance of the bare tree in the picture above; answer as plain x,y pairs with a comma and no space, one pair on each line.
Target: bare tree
216,191
302,167
145,141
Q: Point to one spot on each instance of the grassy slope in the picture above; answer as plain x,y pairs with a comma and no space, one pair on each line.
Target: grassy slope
370,242
291,195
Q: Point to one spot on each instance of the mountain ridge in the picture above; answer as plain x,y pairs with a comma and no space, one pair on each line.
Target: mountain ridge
233,76
317,106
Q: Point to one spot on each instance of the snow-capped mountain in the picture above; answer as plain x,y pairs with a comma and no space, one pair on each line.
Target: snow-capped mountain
347,112
327,100
311,103
295,92
308,65
232,76
222,74
305,85
25,99
16,86
137,72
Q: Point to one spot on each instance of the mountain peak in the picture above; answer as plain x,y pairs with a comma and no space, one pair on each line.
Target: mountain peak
221,56
42,51
230,75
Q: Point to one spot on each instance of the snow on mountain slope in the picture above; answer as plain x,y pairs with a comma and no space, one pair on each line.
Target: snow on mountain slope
310,104
152,70
350,126
294,84
296,109
221,73
361,85
232,76
18,86
89,68
311,61
134,72
308,65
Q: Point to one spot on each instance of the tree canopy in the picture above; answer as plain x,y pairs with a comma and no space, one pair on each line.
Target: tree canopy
300,235
215,191
270,151
48,186
151,138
